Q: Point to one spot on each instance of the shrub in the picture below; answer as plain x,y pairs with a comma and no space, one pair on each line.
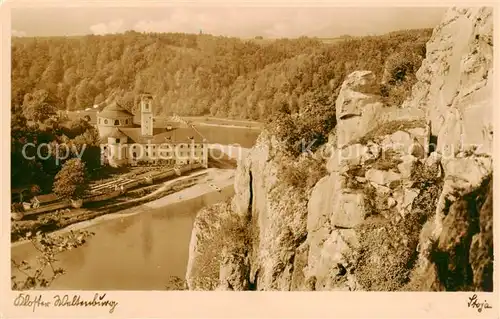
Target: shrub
387,251
304,174
389,159
35,189
52,220
17,207
310,127
176,283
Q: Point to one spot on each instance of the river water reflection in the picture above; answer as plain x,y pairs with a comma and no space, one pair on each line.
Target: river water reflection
137,252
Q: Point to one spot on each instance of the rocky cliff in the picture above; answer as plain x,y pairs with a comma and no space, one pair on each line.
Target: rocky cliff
405,201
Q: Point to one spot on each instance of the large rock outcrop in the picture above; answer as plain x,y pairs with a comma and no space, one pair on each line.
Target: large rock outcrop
406,202
278,215
371,184
455,81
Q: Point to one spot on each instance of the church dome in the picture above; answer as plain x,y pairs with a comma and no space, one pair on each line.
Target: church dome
114,110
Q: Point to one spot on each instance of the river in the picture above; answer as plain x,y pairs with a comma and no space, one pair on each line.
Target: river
141,251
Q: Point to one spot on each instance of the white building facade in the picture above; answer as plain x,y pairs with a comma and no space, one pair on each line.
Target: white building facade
123,143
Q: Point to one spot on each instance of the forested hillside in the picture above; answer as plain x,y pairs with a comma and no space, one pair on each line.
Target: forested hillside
203,74
293,81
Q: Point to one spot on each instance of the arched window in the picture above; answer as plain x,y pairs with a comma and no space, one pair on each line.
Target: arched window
134,154
105,121
117,122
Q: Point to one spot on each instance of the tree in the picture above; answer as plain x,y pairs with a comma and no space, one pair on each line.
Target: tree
37,106
89,142
85,94
71,182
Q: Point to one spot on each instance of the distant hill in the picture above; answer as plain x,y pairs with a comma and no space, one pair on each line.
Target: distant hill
195,75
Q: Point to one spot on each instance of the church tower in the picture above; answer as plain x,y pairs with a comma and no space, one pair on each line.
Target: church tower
146,115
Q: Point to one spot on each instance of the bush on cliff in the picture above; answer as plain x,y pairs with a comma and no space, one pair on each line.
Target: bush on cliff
388,242
307,130
307,112
304,173
400,72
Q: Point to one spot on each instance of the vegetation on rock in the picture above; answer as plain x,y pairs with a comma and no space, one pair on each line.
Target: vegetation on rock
388,242
219,233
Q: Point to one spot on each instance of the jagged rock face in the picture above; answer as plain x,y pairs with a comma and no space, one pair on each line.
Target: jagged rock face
455,89
455,81
218,255
357,106
364,180
392,212
278,219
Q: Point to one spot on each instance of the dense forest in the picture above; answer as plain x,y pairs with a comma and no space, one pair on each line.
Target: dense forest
292,83
203,74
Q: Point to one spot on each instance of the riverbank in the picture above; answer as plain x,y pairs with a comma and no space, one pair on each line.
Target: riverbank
141,248
125,205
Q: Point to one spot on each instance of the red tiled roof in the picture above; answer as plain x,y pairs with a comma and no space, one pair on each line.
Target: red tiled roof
133,134
116,133
178,135
47,198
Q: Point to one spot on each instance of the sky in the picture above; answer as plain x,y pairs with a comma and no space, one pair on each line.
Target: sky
246,22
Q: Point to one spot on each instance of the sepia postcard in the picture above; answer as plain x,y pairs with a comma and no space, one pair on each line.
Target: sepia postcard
248,159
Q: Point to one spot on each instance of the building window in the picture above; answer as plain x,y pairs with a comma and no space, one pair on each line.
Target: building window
126,121
117,122
105,121
134,154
